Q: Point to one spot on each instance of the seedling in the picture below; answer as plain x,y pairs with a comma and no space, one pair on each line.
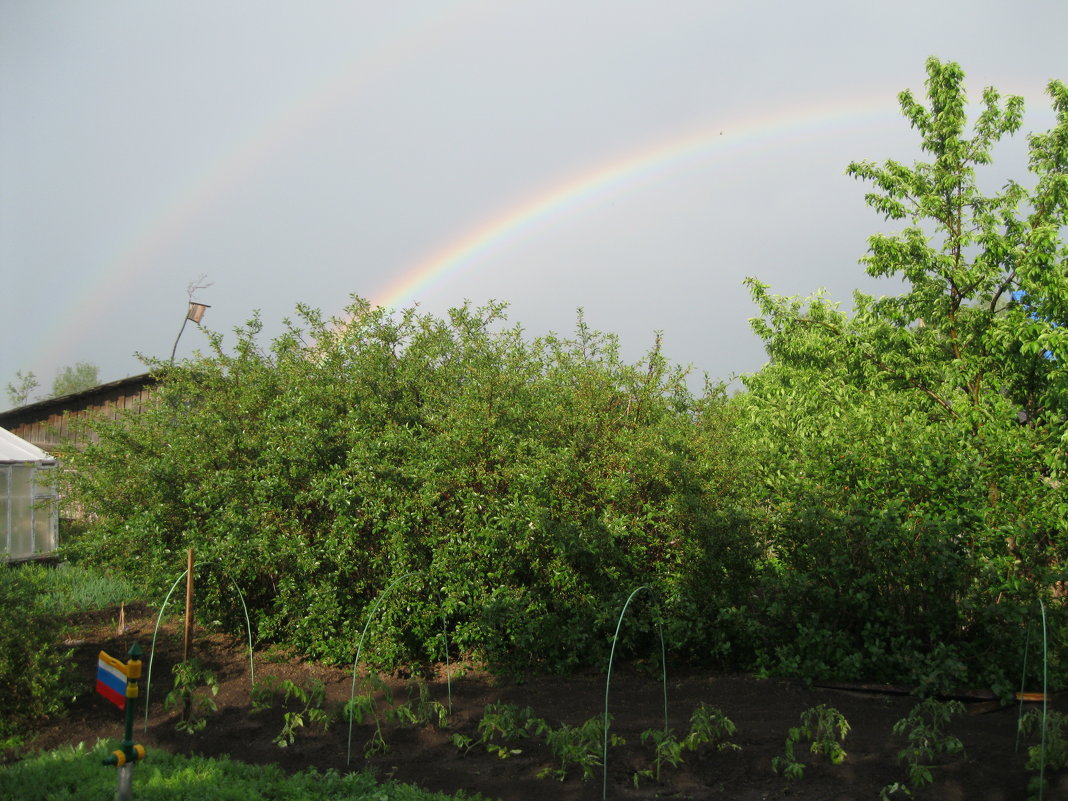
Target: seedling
189,677
925,729
707,725
891,790
580,746
308,701
361,707
510,724
1056,746
463,742
822,726
668,750
423,712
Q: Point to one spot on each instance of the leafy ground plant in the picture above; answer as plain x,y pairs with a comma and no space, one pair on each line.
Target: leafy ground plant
822,726
301,705
924,727
189,678
422,711
501,728
75,772
364,707
579,746
1056,746
708,725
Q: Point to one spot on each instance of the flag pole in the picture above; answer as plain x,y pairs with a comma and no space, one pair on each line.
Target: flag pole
128,753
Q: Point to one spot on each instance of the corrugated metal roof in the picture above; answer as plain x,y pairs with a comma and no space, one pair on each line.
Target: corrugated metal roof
16,449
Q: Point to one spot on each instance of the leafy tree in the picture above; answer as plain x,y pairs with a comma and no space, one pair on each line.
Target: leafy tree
18,393
81,376
919,442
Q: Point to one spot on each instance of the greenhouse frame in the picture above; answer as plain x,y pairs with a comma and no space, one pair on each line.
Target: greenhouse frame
29,516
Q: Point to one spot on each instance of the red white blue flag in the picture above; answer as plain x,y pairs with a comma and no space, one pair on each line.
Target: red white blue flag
111,679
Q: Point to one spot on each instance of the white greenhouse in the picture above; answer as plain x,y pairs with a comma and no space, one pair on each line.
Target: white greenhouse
29,521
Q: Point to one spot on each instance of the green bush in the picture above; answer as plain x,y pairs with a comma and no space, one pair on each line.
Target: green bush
67,589
35,677
74,773
531,485
887,498
914,470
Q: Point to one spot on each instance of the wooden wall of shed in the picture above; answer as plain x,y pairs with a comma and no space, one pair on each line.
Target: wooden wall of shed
54,433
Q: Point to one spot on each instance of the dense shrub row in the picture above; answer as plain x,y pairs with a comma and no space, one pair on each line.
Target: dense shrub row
885,499
531,484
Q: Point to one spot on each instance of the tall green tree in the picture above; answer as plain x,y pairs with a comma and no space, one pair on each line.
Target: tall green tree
919,442
81,376
20,390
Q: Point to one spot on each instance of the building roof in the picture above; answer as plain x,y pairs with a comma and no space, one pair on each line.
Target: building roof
74,399
16,449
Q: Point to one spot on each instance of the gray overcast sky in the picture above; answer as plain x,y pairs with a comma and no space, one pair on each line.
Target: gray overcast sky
636,159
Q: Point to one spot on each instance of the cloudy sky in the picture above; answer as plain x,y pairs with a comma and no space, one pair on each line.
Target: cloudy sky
635,158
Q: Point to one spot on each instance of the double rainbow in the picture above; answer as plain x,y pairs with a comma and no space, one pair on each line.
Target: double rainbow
625,174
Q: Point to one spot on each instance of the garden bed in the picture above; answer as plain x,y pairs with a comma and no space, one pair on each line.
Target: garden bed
762,710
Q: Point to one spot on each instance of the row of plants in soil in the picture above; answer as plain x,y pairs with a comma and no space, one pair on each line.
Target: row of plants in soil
503,730
506,730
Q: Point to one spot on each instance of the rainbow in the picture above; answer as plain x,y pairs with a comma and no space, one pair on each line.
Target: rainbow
134,252
625,173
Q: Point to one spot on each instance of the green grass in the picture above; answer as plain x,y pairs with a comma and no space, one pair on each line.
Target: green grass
67,589
76,773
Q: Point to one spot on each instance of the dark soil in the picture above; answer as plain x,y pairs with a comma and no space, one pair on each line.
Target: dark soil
763,711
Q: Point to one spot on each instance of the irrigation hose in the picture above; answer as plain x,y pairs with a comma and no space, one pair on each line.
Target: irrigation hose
359,648
159,618
608,682
1045,697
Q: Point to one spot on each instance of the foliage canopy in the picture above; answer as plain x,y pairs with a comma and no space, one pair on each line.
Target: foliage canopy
529,484
917,444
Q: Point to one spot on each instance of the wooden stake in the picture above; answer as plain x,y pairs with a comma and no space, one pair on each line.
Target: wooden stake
187,705
188,607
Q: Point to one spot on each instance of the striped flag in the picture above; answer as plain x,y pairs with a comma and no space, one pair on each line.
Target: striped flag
111,679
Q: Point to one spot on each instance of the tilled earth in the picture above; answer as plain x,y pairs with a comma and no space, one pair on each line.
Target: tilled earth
763,711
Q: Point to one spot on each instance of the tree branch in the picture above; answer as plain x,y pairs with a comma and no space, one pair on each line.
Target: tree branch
885,368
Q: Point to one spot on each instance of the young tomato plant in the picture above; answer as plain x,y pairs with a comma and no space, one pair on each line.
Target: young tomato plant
708,725
424,711
668,749
189,677
300,706
825,728
924,727
581,746
361,707
503,725
1056,746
